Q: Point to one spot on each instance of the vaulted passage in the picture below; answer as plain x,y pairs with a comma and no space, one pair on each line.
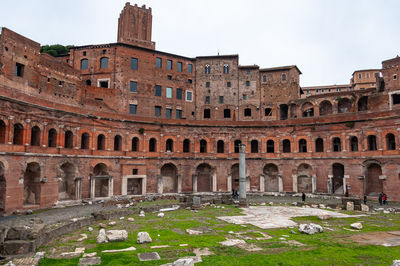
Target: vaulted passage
101,182
66,182
32,184
325,108
235,176
18,134
271,183
304,178
338,175
373,183
204,177
35,136
169,178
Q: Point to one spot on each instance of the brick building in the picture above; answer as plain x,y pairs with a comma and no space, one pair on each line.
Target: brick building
125,119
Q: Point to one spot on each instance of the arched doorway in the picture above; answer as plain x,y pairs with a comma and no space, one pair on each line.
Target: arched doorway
338,175
2,187
32,184
271,183
235,176
169,178
66,185
374,184
204,178
101,182
304,178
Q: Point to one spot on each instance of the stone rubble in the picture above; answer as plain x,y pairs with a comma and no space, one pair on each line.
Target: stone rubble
357,226
90,261
193,232
83,237
161,214
143,237
117,235
310,229
101,237
118,250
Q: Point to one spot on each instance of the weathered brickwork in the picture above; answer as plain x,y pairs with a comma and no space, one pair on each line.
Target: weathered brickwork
125,119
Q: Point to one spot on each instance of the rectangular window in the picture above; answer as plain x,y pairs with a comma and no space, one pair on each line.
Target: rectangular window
338,89
132,108
179,66
190,68
359,76
169,64
158,90
221,99
134,63
169,92
133,86
228,84
190,81
207,113
19,70
395,77
103,83
265,78
207,99
157,111
158,62
169,77
179,93
207,84
244,96
189,96
247,83
179,114
168,113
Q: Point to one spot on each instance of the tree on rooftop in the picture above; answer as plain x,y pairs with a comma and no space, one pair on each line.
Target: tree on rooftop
55,49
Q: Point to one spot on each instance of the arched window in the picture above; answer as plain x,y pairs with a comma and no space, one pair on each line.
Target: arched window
344,105
302,145
207,69
254,146
325,108
319,145
390,142
226,69
354,143
237,144
84,64
337,145
372,143
52,138
85,141
220,146
283,77
2,132
35,136
152,145
169,145
117,143
68,141
247,112
135,144
203,146
186,145
271,146
286,145
18,134
104,62
307,110
101,142
363,104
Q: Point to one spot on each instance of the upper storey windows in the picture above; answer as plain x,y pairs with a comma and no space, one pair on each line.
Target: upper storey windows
169,64
158,62
19,70
179,67
134,63
226,69
283,77
104,62
84,64
207,69
190,68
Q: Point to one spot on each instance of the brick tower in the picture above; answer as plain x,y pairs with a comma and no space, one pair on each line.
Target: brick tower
134,26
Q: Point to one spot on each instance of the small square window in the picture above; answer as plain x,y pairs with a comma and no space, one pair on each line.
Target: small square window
179,66
133,86
244,96
158,62
168,113
190,81
104,51
169,77
228,84
19,70
84,53
221,99
134,63
158,90
134,171
169,92
132,108
103,83
179,93
157,111
207,84
169,64
247,83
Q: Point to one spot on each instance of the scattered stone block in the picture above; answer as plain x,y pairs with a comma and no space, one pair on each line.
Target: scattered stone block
74,254
232,242
141,214
148,256
162,246
89,255
143,237
130,219
112,223
294,203
271,203
117,235
83,237
314,206
101,237
350,206
89,261
10,263
174,208
26,261
161,214
396,263
90,229
310,229
193,232
184,262
183,245
324,217
357,226
119,250
39,255
101,225
122,218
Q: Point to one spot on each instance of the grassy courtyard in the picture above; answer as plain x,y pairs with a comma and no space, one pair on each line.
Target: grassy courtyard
335,246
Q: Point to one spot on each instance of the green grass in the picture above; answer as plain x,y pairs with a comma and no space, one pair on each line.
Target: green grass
329,248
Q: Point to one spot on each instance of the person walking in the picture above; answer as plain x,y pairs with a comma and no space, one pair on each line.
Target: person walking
380,198
384,198
303,197
365,198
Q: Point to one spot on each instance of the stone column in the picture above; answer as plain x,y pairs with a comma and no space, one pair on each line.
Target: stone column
329,184
159,184
262,183
214,182
229,183
124,185
92,187
242,174
194,183
179,177
294,179
280,183
110,186
144,185
345,177
314,183
78,188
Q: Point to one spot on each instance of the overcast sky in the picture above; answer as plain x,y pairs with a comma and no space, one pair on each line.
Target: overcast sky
326,39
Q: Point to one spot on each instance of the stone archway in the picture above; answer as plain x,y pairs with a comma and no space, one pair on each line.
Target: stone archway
235,176
66,184
32,184
271,181
304,178
204,178
374,185
101,181
337,180
169,175
2,187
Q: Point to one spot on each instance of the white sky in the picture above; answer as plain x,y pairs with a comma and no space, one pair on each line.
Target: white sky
326,39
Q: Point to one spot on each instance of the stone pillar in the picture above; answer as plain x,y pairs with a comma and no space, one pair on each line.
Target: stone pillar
229,183
345,177
159,184
110,186
92,187
144,185
10,132
78,188
294,178
179,177
314,183
214,182
194,183
329,184
262,183
242,174
280,183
